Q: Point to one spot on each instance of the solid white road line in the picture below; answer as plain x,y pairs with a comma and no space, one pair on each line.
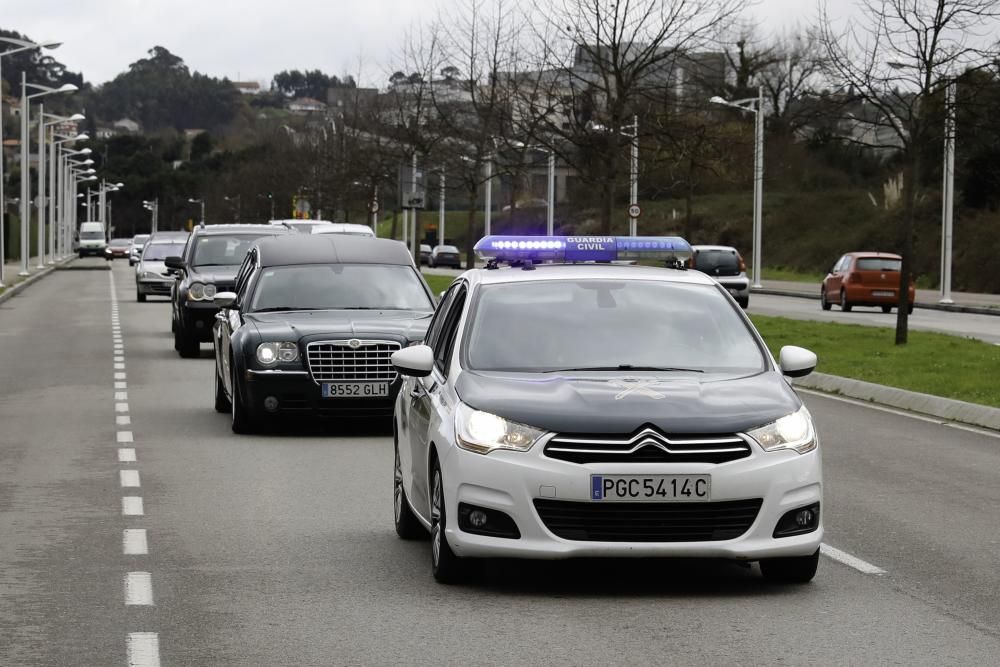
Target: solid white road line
138,588
134,542
143,649
126,455
132,506
124,436
123,420
121,396
850,561
129,478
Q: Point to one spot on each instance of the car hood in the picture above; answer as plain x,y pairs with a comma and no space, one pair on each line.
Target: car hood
154,266
404,326
213,274
624,403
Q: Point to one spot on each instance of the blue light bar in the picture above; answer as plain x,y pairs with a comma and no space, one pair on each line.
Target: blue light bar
582,248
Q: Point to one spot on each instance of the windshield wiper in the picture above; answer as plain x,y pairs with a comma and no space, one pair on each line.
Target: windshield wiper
274,309
628,367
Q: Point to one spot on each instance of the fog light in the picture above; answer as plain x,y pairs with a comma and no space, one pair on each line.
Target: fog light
478,518
485,521
271,404
798,521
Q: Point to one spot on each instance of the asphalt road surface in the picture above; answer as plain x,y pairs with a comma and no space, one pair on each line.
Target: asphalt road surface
215,549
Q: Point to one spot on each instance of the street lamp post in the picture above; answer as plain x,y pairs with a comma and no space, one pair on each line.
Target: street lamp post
55,171
20,45
201,201
441,209
754,105
632,132
948,200
488,198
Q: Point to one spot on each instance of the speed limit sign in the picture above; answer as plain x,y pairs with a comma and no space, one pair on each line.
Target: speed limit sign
373,207
634,211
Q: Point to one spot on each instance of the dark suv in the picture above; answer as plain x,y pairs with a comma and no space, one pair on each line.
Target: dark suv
211,258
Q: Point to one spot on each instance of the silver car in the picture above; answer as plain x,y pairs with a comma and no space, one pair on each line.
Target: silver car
151,277
724,263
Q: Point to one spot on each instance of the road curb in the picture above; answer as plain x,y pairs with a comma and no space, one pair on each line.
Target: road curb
11,292
976,310
947,409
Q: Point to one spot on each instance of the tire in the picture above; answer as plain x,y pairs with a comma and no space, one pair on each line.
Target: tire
794,570
822,300
886,309
244,421
222,403
744,302
408,527
80,255
186,345
909,309
445,565
844,305
140,297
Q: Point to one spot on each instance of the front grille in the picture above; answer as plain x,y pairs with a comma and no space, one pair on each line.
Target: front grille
338,361
648,522
647,446
158,288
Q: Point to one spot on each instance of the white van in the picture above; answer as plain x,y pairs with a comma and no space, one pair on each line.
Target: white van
92,239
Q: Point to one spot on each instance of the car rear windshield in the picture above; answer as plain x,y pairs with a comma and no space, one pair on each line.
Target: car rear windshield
157,252
218,250
717,262
91,236
340,287
447,249
548,326
878,264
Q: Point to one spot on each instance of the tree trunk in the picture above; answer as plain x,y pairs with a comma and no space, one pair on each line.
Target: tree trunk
911,188
392,233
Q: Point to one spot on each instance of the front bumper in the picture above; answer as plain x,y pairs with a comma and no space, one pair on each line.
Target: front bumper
198,318
154,287
297,393
510,482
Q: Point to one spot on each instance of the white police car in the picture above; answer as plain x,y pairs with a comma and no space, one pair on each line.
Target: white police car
591,408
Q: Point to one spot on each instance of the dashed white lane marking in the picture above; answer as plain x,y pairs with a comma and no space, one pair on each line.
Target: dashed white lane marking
121,407
138,588
119,367
121,359
121,385
134,542
850,561
126,455
143,649
121,396
129,479
132,506
123,420
124,436
120,376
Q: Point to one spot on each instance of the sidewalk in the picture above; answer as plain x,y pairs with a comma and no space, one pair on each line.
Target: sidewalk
13,283
968,302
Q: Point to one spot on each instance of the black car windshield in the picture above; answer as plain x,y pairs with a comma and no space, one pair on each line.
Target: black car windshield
218,250
340,286
717,262
157,252
879,264
615,325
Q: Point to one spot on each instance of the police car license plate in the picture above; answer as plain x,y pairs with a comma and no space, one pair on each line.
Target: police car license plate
651,488
355,389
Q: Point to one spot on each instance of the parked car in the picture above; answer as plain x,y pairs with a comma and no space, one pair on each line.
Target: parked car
425,253
351,228
445,255
864,279
299,225
209,263
151,276
727,267
92,239
310,325
135,250
117,248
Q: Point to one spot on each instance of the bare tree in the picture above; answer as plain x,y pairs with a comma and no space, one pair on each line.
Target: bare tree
896,59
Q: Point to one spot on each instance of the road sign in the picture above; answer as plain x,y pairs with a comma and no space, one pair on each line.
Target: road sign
413,199
373,207
634,211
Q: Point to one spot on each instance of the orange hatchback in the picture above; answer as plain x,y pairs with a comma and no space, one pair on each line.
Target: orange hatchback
864,279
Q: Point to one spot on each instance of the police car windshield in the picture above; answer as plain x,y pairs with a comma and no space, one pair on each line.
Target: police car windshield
562,325
340,287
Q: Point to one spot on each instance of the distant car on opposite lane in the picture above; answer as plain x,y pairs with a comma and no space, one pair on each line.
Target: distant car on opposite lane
445,255
725,264
864,279
117,248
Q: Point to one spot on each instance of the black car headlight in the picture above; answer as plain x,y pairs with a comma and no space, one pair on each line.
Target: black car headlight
269,354
196,291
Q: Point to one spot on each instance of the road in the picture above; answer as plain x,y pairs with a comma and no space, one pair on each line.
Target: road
278,549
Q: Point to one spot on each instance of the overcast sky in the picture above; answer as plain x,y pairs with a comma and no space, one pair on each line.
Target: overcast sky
254,39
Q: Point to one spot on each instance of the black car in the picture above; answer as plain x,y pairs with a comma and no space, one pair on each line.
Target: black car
445,255
311,325
211,257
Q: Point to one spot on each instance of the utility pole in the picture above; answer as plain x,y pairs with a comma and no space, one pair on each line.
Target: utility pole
441,211
948,200
488,206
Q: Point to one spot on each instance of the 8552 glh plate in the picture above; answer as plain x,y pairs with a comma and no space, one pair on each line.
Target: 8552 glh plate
651,488
355,389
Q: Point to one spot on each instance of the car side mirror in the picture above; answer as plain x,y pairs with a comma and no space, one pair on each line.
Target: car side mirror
173,262
414,361
224,299
796,362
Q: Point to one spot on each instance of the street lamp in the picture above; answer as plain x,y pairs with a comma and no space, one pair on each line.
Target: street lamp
57,182
632,132
19,46
754,105
25,150
43,195
202,202
154,209
551,199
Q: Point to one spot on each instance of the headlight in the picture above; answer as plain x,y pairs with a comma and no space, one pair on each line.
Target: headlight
196,291
794,431
152,275
269,354
209,290
482,432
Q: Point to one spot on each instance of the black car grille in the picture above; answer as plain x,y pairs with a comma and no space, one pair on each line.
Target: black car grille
648,522
647,446
340,361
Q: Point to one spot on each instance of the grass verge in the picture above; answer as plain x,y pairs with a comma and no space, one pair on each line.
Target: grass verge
930,363
438,283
